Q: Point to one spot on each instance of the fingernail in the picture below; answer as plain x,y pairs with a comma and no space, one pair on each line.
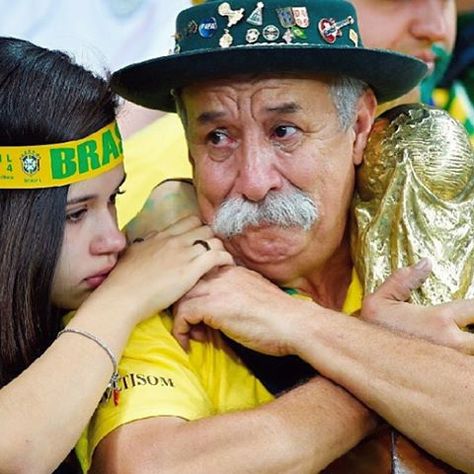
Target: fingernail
423,264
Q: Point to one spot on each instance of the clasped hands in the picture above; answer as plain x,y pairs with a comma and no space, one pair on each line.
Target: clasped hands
256,313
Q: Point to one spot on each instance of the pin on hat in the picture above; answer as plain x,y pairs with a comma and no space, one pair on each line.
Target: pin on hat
226,39
208,27
288,36
252,35
330,29
301,17
271,33
256,17
233,16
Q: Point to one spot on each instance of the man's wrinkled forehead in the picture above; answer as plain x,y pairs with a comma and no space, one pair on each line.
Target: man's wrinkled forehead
208,101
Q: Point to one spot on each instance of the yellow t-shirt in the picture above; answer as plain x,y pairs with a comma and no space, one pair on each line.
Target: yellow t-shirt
355,292
158,378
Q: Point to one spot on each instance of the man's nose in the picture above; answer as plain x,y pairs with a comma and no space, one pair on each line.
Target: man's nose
108,239
257,174
432,21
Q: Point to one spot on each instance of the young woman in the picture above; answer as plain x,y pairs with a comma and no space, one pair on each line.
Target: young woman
60,172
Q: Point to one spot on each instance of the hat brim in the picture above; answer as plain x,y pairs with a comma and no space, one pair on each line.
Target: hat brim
149,83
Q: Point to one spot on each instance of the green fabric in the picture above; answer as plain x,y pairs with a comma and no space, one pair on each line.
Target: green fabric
429,83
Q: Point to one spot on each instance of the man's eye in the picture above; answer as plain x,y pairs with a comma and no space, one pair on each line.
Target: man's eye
75,216
218,137
284,131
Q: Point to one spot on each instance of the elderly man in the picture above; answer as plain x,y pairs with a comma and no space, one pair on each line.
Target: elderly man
421,28
277,112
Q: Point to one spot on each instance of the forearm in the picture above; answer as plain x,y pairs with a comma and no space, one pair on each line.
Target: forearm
44,410
302,431
424,390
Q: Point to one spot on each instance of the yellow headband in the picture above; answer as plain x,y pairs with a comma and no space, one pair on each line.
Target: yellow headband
59,164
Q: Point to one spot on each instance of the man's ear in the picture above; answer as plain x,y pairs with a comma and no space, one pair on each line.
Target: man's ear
365,116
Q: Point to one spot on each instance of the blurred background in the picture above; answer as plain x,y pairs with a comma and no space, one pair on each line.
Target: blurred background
102,35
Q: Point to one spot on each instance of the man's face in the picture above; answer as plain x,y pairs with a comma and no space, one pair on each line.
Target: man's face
263,139
408,26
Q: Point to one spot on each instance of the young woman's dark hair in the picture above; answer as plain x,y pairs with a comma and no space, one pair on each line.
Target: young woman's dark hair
44,98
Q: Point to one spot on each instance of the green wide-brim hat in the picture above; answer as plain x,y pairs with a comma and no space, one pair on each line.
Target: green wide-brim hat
221,39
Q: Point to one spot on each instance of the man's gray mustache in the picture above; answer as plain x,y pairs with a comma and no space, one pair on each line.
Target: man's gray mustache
285,209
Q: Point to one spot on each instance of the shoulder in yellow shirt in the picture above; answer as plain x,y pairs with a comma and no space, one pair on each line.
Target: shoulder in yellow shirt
158,378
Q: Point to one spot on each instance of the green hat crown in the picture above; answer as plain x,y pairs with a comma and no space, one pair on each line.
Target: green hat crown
222,39
249,23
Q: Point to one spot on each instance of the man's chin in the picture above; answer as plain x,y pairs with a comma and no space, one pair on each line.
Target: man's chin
266,245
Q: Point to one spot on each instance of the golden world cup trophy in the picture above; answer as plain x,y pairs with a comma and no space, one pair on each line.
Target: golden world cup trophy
415,198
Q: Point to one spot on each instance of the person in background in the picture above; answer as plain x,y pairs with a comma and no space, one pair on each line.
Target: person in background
425,29
102,35
455,92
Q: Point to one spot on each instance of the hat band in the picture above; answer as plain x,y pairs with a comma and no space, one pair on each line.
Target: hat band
60,164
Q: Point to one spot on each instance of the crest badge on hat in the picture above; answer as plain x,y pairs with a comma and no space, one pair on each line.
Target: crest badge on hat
285,15
301,17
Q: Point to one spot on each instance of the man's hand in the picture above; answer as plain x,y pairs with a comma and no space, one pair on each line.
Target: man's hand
243,305
443,324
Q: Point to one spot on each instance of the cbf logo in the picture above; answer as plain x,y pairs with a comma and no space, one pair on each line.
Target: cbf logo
30,162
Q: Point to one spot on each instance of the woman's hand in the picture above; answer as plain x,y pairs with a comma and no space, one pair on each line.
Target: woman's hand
155,272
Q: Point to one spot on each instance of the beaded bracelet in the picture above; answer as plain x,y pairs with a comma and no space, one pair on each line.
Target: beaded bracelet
112,388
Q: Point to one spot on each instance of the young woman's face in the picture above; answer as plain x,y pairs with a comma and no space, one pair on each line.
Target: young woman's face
92,240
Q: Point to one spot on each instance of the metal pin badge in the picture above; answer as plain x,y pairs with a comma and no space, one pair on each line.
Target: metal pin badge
226,39
301,16
208,27
271,33
298,33
293,16
252,35
256,17
191,28
233,16
354,37
331,29
288,36
285,17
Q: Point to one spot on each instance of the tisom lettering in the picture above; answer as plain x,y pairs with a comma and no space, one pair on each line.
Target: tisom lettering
135,380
